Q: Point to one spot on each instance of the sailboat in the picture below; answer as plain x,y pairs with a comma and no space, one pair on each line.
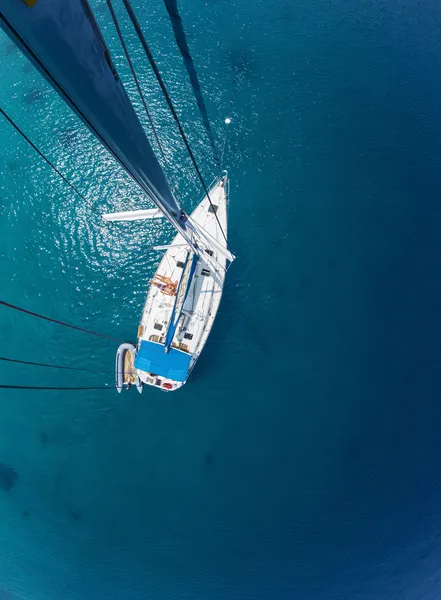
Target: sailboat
64,42
183,298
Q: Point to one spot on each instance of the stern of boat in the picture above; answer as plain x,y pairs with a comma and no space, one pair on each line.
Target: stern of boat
164,384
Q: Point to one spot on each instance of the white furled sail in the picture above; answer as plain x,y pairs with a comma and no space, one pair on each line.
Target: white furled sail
134,215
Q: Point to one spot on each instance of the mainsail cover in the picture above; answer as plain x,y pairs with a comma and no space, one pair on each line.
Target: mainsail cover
63,40
181,296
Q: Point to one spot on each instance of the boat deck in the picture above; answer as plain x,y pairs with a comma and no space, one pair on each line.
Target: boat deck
203,299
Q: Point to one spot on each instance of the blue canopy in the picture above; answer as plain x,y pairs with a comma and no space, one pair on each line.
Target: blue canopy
174,364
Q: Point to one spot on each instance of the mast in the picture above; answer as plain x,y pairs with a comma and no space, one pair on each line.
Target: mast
181,296
63,41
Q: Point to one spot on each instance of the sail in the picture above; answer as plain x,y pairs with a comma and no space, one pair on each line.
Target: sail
62,39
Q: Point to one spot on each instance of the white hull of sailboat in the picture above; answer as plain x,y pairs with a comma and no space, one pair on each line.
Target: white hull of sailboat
169,371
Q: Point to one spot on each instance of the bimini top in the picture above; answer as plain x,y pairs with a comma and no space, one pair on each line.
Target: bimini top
152,358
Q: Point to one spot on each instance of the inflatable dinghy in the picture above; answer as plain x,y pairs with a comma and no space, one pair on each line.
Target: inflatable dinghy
126,375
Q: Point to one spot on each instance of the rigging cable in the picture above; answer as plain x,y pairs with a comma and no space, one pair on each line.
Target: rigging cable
181,41
64,94
140,92
36,364
41,387
58,88
154,66
71,185
34,314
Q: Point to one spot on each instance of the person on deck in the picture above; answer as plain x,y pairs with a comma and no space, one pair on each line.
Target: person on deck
165,284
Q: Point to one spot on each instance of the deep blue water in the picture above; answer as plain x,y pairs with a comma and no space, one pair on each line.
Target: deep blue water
302,460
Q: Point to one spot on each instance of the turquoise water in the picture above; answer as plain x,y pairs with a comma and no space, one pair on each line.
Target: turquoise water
302,459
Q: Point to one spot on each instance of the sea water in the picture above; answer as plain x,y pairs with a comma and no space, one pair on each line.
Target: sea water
302,459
